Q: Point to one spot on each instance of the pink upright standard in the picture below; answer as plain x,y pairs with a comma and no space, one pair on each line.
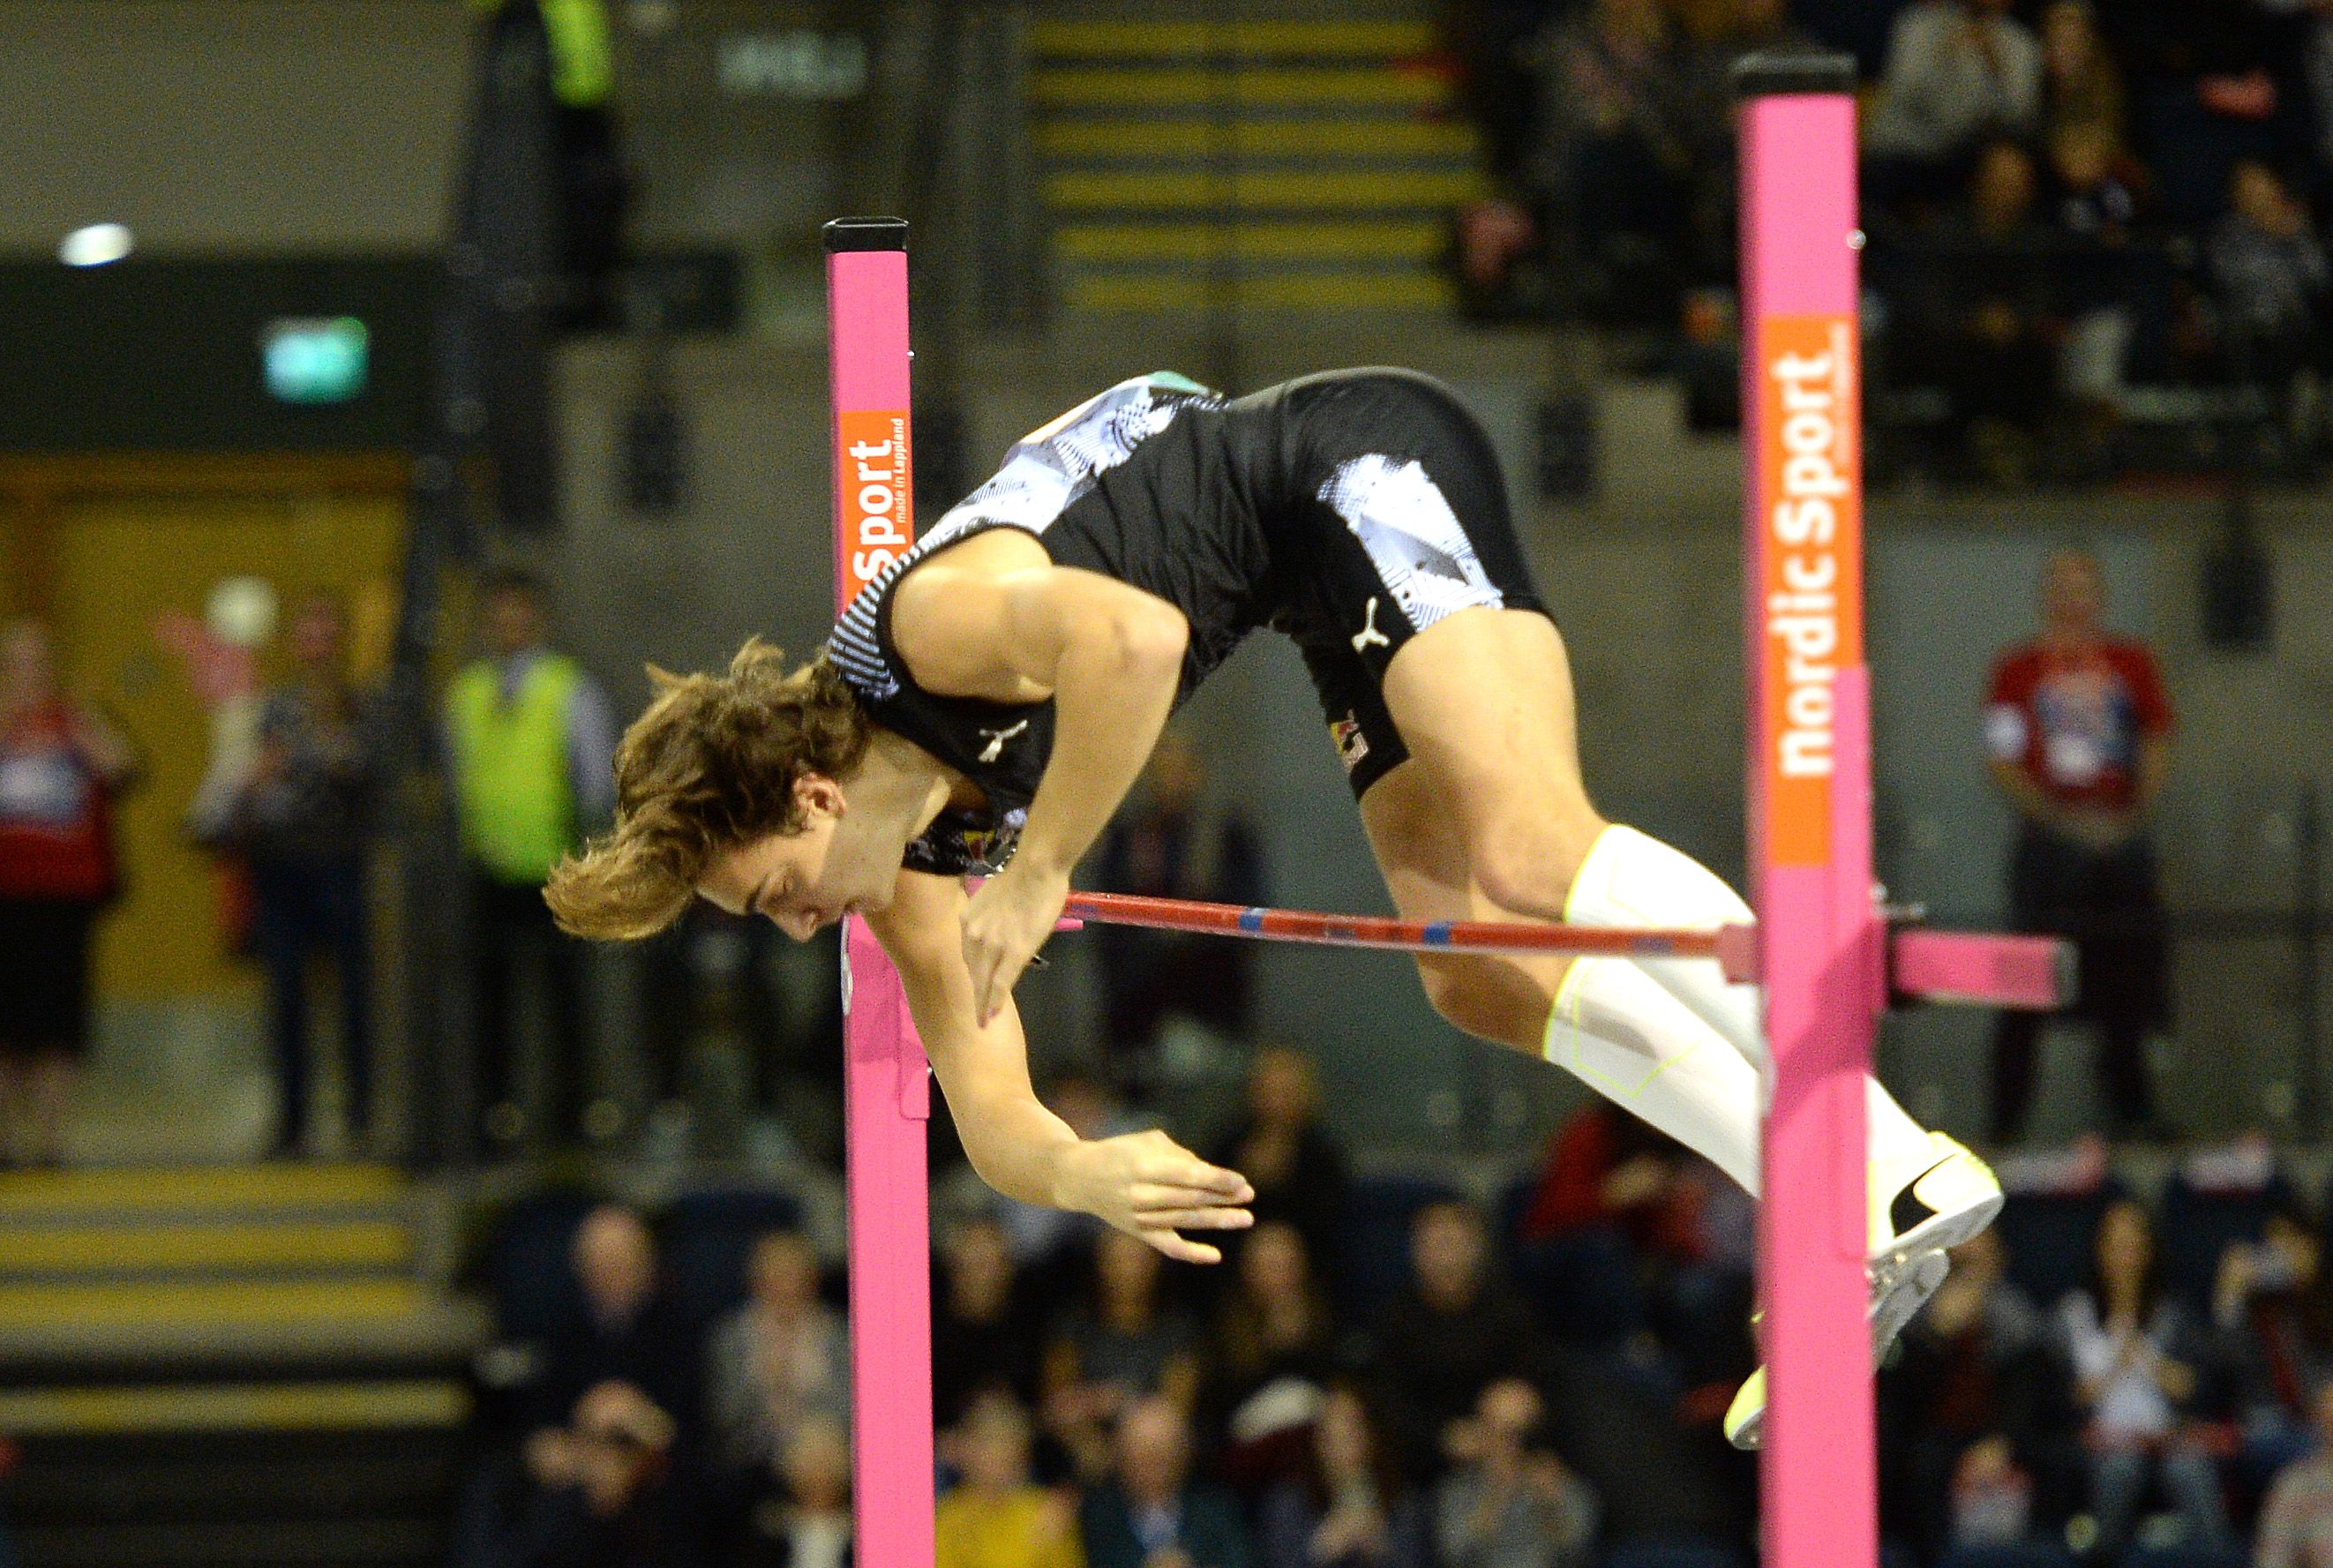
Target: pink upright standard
1810,779
886,1084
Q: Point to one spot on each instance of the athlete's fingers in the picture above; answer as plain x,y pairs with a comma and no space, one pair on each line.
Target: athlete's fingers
1197,1218
1146,1198
1179,1248
1185,1170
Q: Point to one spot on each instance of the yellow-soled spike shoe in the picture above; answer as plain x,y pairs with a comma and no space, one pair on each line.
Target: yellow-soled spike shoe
1913,1222
1746,1416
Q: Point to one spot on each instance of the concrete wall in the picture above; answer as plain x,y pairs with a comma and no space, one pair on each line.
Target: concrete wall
268,125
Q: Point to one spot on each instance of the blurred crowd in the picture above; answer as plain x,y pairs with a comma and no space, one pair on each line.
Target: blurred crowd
1387,1372
2080,212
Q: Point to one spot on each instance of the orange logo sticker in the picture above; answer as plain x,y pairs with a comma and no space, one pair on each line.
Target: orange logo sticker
1810,615
872,480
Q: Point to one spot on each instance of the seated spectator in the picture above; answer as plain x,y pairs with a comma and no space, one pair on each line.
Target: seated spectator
2295,1523
983,1339
1178,840
2098,212
1455,1331
1604,1204
1048,1242
1349,1506
799,1517
2272,1303
2081,86
997,1516
2136,1354
1296,1165
779,1359
1983,1409
1998,348
1958,73
2098,187
1615,137
608,1493
1149,1513
1509,1502
1122,1344
1271,1353
2270,271
629,1332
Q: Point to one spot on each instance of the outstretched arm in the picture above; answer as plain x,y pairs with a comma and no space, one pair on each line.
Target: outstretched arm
1144,1183
994,618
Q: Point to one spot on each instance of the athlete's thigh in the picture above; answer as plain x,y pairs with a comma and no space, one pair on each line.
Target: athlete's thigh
1483,699
1423,856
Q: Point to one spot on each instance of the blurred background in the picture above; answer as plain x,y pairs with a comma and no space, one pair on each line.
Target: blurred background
385,383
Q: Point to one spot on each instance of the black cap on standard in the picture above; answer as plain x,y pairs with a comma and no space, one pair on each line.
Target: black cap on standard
1772,72
865,234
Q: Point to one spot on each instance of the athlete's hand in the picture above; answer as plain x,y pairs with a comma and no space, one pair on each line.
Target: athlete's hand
1004,923
1153,1189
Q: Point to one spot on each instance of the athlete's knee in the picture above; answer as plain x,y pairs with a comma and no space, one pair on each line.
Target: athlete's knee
1527,863
1487,999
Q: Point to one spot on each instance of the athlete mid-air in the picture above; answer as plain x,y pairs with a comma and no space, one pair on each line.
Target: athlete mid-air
986,703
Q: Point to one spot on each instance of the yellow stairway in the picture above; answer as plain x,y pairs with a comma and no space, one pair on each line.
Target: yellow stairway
1302,162
219,1364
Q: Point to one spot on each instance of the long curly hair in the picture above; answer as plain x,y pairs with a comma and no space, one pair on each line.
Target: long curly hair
710,765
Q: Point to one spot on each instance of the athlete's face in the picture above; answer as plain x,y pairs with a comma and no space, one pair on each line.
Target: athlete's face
807,880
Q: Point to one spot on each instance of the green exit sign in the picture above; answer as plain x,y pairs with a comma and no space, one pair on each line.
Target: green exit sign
314,359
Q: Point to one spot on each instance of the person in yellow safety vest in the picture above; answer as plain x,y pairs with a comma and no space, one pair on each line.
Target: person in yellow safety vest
531,742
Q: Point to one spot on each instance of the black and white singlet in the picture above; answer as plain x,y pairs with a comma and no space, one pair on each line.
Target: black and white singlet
1350,510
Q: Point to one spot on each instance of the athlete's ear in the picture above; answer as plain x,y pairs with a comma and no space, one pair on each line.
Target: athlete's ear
817,795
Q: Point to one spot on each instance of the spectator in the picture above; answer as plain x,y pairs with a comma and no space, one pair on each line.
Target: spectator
997,1516
532,747
1151,1513
2135,1355
983,1341
780,1358
1510,1503
1983,1409
1350,1507
1452,1334
2077,727
1123,1344
2098,212
1177,843
1296,1165
608,1494
2296,1521
1959,73
2272,1303
1274,1321
1051,1242
61,767
802,1516
1617,135
2098,187
2000,360
299,822
1272,1352
2273,279
629,1332
2081,87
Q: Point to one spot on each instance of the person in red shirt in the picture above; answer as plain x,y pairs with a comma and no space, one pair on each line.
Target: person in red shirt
2077,731
61,766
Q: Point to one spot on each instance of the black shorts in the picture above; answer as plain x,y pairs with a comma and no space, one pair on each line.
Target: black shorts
45,975
1395,516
